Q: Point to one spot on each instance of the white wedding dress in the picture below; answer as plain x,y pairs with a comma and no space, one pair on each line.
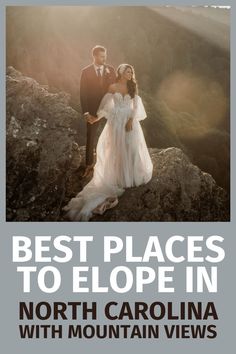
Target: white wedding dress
123,159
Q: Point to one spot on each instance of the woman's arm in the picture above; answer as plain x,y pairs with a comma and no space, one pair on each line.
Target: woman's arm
106,106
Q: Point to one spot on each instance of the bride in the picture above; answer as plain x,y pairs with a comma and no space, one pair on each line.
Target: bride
123,159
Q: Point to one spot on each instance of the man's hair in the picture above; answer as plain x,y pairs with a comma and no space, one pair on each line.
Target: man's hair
97,49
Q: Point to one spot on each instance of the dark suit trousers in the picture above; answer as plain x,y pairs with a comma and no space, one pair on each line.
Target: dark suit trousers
91,142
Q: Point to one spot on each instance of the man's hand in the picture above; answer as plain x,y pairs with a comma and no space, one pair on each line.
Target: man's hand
128,125
91,119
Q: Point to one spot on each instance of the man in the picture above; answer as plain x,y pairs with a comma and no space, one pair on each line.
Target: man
94,82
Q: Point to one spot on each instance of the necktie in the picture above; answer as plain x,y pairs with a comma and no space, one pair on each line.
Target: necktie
99,76
99,72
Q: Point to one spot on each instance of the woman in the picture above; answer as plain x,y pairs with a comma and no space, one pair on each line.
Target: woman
123,159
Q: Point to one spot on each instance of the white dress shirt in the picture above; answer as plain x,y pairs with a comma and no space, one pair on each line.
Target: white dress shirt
97,67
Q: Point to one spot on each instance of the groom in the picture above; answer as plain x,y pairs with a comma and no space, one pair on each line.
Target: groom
94,82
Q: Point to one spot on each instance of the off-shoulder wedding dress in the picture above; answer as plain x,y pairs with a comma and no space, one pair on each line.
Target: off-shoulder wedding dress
123,159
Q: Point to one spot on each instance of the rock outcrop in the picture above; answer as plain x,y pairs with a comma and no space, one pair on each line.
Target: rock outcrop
178,191
44,167
41,142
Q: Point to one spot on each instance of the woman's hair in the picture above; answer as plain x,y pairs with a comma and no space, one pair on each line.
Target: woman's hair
132,85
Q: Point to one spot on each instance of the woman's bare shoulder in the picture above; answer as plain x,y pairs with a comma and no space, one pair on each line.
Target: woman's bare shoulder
112,88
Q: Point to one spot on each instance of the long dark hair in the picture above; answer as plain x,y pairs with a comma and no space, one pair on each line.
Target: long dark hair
132,85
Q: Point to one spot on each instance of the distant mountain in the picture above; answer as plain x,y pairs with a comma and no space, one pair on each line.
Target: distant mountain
209,22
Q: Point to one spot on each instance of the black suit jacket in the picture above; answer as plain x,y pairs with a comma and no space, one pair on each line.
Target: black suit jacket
91,92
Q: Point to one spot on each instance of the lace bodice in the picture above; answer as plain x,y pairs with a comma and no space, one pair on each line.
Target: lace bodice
121,99
111,102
